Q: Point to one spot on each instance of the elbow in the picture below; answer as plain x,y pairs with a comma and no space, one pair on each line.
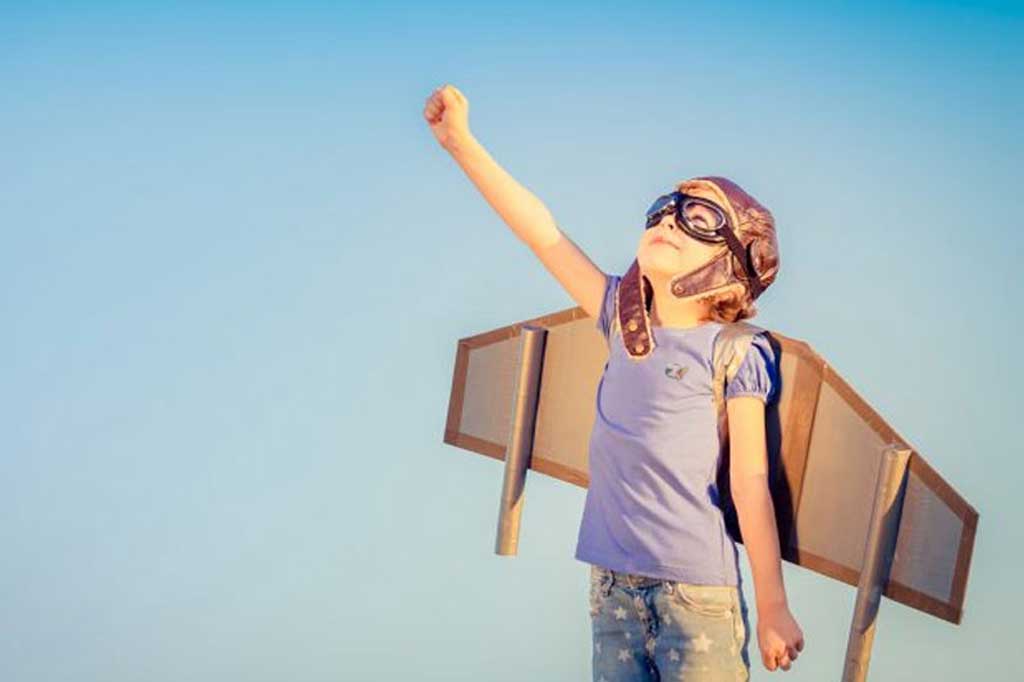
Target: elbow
541,241
745,487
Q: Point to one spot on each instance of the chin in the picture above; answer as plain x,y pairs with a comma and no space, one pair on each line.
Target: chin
663,265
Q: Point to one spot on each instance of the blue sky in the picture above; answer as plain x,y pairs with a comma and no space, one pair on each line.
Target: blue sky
235,266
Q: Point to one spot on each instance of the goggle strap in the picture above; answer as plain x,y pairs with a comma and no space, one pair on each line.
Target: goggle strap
753,281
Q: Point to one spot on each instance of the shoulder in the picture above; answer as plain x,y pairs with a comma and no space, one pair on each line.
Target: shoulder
734,339
752,366
607,319
612,281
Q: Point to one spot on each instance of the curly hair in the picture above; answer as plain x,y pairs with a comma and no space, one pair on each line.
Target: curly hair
730,306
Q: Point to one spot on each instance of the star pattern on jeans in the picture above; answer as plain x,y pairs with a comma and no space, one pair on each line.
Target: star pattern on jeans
684,662
703,643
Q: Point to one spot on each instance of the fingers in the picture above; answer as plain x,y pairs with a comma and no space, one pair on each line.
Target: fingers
440,100
774,662
433,111
780,650
791,654
780,659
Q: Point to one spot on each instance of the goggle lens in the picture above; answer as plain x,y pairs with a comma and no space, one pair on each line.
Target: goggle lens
703,216
700,218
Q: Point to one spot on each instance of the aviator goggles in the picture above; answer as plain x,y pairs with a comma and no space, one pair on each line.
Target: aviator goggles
692,221
695,223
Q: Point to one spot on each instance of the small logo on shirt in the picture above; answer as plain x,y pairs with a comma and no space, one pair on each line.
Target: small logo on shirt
674,371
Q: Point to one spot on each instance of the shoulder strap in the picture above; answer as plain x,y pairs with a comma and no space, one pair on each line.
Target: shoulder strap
731,346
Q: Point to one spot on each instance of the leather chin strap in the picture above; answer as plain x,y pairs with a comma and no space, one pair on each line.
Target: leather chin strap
631,314
715,274
718,273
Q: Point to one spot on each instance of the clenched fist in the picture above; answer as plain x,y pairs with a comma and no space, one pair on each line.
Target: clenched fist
447,113
779,637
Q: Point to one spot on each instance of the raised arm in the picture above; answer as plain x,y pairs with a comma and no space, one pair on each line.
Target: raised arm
447,113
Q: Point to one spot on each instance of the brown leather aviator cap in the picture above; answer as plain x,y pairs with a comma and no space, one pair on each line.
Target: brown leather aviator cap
753,226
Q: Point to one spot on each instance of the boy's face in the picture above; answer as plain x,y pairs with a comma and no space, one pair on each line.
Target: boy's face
665,249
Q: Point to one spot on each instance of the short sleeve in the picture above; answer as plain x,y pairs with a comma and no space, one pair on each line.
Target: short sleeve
604,320
758,374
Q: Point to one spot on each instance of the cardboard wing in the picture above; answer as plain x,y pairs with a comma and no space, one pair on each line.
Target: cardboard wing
825,446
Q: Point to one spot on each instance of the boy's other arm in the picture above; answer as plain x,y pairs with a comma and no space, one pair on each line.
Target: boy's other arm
748,481
779,636
532,222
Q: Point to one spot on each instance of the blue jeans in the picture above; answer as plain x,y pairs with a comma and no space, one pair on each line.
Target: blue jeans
654,630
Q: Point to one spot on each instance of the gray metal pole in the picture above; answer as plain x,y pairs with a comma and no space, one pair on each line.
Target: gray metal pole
520,440
878,554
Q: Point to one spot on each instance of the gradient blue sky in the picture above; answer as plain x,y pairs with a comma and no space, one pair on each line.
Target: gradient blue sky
235,265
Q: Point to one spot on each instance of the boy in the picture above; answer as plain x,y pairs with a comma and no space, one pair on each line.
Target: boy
692,273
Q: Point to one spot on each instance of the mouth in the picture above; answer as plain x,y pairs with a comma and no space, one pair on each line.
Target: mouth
662,240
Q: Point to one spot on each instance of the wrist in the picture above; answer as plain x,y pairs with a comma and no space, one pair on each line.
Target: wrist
458,143
773,605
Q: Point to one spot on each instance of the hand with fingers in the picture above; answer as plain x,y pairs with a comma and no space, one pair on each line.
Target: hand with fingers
447,113
779,637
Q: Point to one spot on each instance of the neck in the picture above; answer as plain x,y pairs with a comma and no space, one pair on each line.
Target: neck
669,311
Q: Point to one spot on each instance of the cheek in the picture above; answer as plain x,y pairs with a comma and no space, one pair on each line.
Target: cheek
644,252
708,253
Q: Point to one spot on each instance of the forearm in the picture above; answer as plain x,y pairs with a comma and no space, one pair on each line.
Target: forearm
524,213
756,514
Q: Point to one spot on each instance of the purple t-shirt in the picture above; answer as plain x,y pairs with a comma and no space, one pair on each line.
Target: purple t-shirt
652,503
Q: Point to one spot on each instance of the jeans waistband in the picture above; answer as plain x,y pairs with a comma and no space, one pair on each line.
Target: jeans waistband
630,579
